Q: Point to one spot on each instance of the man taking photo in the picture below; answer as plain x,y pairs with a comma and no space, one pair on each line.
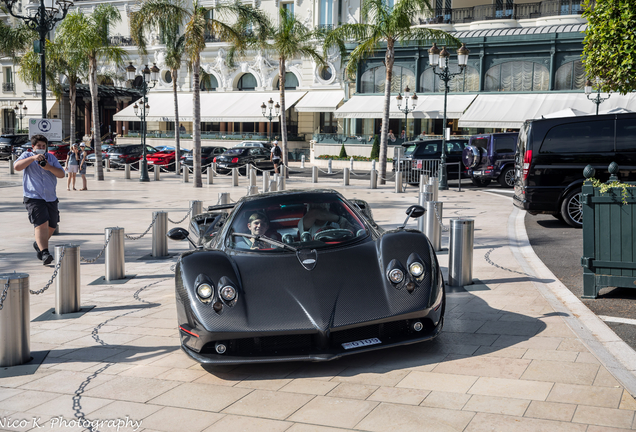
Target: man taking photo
41,171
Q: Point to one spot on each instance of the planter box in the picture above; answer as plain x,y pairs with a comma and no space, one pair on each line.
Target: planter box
609,240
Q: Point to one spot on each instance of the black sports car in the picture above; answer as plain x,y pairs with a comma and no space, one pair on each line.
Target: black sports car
240,157
303,276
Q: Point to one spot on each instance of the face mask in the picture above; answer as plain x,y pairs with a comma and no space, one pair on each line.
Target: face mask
39,151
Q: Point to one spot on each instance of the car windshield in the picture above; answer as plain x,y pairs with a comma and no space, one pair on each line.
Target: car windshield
408,151
480,142
311,220
5,140
235,151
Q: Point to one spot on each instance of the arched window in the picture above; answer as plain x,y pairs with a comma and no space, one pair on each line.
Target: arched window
208,82
466,82
517,76
291,82
570,76
373,80
247,82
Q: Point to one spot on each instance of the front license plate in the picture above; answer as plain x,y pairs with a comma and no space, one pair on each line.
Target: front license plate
361,343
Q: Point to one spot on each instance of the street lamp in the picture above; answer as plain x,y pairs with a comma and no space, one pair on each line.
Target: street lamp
597,99
150,75
270,105
440,59
20,112
43,21
406,110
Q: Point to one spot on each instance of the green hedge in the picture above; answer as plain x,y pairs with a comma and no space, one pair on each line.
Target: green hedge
355,158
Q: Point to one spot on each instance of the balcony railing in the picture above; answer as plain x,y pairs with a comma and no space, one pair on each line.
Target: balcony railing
121,41
233,136
8,87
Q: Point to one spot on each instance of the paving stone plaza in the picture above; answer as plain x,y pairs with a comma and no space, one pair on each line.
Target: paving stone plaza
517,353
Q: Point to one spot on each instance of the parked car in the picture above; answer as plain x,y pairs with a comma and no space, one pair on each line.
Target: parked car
208,153
8,143
239,157
340,292
24,147
120,155
420,157
90,158
164,148
552,153
253,144
491,157
59,150
165,158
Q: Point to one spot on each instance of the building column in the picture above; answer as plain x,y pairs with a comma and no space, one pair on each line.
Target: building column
262,127
222,126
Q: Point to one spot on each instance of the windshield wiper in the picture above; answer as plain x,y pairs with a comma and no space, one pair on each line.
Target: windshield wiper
267,240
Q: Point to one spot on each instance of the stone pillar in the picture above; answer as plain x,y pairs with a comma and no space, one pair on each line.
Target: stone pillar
222,126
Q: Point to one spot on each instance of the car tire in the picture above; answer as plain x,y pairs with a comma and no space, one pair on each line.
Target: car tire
572,209
507,178
558,217
480,182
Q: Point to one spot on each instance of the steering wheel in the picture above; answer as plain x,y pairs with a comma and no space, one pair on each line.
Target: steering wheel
333,234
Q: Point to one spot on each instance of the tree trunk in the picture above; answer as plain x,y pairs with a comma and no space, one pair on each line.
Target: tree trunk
196,124
92,83
384,134
72,95
177,137
283,119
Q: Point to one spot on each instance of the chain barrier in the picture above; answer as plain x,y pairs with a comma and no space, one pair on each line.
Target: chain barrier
386,179
57,268
327,172
154,219
4,294
90,261
439,219
184,218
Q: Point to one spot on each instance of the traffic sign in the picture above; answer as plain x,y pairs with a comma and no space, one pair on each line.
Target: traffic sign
50,128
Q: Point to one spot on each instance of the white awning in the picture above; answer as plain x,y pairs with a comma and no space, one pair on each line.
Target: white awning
320,101
511,110
215,106
360,106
34,107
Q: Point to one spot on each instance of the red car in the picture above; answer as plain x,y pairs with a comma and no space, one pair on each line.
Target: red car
60,151
165,158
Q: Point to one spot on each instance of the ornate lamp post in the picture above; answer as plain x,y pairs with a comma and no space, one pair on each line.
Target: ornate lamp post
149,75
42,22
597,99
406,110
20,112
440,59
270,116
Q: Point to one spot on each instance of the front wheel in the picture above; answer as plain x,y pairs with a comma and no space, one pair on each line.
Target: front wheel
572,209
507,178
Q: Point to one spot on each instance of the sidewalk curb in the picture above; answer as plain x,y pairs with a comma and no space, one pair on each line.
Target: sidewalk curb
618,357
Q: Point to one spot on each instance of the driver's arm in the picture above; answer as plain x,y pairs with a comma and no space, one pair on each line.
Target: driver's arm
317,214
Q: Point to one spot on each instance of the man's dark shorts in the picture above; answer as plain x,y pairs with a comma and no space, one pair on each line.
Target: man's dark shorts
276,162
41,212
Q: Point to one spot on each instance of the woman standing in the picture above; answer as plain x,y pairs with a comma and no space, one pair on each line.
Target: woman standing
82,165
72,166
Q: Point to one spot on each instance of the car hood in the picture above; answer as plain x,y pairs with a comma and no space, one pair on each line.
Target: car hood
346,287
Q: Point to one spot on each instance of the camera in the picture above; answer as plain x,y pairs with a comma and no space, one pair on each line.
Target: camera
42,162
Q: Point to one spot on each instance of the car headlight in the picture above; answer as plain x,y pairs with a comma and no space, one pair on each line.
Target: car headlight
416,269
204,291
228,293
396,276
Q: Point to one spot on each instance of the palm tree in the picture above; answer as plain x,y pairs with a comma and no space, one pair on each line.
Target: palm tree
286,40
168,16
89,37
15,40
384,25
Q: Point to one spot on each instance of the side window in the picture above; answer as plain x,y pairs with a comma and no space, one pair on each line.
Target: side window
419,151
505,144
580,137
626,135
454,148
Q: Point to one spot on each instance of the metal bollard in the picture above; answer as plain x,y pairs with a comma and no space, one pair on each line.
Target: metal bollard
107,164
351,163
282,181
157,171
15,320
434,182
345,177
159,234
252,177
433,229
265,181
460,252
423,181
127,171
11,162
302,161
67,283
273,183
57,229
210,175
398,182
114,254
186,173
329,170
224,198
374,179
197,208
421,221
235,175
314,174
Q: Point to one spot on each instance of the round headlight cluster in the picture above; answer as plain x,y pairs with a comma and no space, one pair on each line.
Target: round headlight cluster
416,269
228,293
396,276
204,291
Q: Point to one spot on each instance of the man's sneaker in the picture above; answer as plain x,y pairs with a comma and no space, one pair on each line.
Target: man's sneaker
37,249
47,258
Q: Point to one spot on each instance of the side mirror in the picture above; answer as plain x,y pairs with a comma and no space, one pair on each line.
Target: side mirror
178,234
415,211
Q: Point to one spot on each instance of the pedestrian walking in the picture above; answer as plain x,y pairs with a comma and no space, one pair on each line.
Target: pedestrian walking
82,165
275,156
41,171
72,166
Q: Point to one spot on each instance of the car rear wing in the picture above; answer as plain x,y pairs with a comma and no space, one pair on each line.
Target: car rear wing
221,207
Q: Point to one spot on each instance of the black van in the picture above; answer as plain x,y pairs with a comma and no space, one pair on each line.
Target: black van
551,155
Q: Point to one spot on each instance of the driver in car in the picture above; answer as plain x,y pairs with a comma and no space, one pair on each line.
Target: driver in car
319,218
258,224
